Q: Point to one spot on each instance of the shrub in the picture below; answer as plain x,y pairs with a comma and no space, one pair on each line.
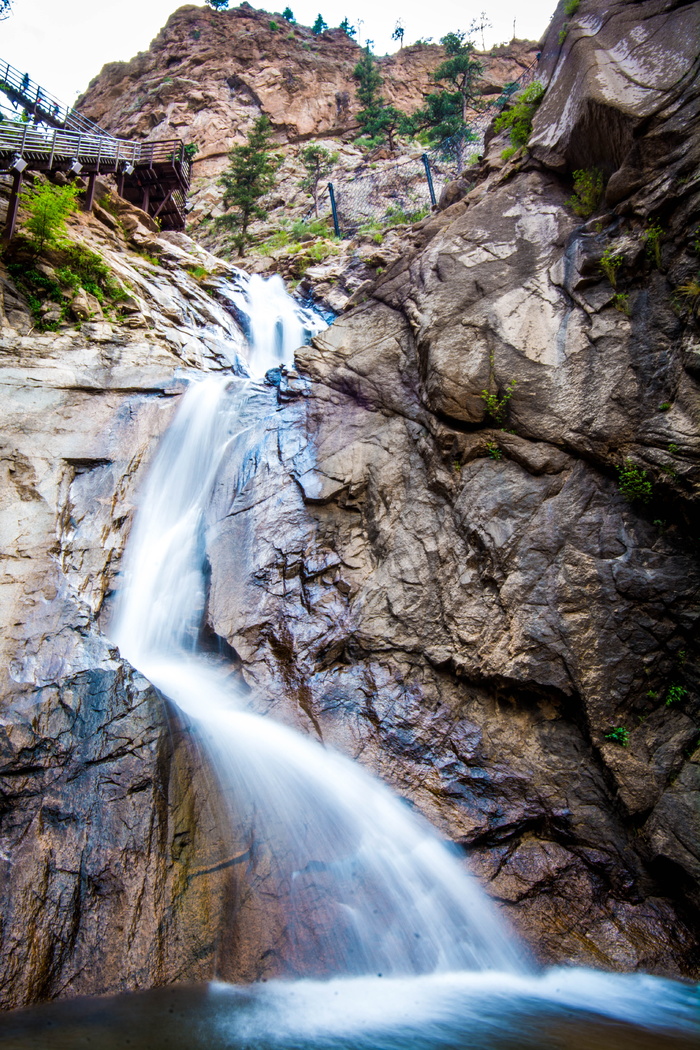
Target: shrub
665,406
48,206
571,7
588,191
610,263
690,291
493,450
272,26
497,407
619,735
675,694
518,119
509,152
191,150
621,302
634,483
652,238
563,32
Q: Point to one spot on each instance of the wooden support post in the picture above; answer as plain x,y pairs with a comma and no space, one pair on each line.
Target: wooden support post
90,195
146,199
162,204
12,207
120,183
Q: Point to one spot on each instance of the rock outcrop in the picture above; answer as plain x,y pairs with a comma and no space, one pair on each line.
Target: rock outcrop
452,588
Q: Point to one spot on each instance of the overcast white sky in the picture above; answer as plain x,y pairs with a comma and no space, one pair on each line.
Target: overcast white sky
63,44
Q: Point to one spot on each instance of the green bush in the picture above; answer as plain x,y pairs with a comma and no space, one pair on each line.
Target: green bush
571,7
509,152
497,407
48,206
272,26
518,119
621,302
634,483
588,192
610,263
493,450
675,694
619,735
652,239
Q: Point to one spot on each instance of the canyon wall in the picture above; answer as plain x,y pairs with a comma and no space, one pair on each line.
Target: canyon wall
467,605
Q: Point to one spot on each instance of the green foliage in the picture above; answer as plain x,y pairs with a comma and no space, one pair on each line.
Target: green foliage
369,80
571,7
81,268
588,192
493,450
398,32
618,735
288,15
319,26
191,150
250,175
652,239
272,26
379,121
690,290
497,407
508,153
347,28
675,694
200,273
48,206
218,5
665,406
634,483
518,119
397,216
318,163
621,302
461,70
610,263
563,32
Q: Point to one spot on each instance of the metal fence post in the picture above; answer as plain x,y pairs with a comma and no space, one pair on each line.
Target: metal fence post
331,194
429,177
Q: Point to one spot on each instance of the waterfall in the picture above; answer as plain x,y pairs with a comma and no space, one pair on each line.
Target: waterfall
369,889
388,896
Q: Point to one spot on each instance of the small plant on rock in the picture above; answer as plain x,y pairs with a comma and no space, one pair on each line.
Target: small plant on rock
493,450
497,407
652,239
610,263
675,694
618,735
634,483
571,7
588,191
621,302
690,291
518,119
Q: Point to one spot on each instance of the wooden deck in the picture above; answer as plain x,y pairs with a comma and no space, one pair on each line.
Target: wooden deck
153,175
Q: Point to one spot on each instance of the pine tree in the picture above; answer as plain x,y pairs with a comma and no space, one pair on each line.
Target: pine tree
218,5
347,28
378,120
369,80
250,175
288,15
318,162
319,26
461,70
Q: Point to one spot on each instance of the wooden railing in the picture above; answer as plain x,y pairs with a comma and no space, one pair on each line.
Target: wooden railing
31,143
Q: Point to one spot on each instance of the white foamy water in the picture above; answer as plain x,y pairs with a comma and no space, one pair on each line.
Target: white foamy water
394,900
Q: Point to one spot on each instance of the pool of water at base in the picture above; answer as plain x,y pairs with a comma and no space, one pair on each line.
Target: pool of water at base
566,1009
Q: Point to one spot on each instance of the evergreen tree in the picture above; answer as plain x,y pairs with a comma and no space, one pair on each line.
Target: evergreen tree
288,15
319,26
319,164
218,5
250,175
461,70
347,28
369,80
378,120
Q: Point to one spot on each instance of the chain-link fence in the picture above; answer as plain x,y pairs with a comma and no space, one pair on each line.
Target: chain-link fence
380,194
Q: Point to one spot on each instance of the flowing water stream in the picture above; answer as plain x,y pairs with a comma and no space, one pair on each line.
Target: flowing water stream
412,952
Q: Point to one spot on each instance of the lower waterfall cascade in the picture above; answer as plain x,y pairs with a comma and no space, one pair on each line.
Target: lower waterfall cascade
410,950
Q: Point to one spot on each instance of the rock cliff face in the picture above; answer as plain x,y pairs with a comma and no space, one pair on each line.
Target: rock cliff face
466,604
